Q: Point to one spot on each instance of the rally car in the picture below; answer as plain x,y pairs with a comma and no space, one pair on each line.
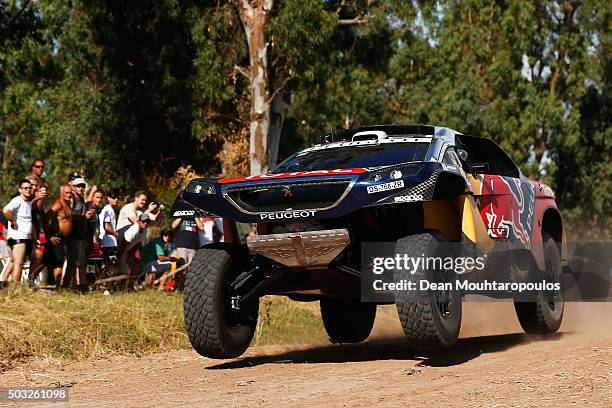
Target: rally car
422,188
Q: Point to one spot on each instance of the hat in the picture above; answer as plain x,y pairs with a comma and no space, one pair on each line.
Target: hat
78,180
73,176
143,217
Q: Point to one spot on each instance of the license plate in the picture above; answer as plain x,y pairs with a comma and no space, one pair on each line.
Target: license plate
385,187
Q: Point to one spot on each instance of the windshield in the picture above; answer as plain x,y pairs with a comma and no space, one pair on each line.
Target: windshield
353,156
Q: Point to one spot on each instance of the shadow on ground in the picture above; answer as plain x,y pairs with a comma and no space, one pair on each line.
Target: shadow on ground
391,349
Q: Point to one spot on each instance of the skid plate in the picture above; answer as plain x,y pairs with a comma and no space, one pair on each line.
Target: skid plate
307,249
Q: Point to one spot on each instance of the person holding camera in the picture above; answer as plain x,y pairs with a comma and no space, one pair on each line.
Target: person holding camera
130,212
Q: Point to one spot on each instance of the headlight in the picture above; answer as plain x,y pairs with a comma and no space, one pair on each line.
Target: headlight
395,172
200,187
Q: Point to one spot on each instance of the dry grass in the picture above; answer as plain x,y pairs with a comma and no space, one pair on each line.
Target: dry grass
283,321
73,327
69,326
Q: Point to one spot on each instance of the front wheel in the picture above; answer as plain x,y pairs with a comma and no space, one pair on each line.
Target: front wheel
431,319
215,328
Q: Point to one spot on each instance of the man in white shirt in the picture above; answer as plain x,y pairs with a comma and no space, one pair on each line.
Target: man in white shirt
129,213
213,231
132,240
207,234
108,226
18,212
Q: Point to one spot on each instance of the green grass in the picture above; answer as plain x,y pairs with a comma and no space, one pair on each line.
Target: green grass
71,326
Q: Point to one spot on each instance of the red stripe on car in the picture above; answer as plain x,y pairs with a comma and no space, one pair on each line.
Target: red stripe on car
294,174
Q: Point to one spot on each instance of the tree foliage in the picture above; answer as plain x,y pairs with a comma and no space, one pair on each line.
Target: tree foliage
129,92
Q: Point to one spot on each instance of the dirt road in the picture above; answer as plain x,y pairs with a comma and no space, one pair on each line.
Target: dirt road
493,365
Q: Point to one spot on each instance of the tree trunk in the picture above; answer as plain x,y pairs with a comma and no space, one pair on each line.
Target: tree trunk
277,118
267,107
6,158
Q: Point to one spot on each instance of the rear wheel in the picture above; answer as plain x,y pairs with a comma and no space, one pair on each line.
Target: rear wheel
346,320
215,328
544,316
430,318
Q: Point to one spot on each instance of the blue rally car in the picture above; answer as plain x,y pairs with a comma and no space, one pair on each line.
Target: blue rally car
418,187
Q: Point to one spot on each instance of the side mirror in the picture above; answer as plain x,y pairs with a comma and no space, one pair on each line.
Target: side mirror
480,168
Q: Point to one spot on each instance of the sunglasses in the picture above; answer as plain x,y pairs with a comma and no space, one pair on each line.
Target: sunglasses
39,167
80,185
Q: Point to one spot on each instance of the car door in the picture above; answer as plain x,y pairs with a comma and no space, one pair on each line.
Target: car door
505,198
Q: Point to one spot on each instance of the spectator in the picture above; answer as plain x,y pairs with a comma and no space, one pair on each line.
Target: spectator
108,227
187,236
218,229
156,260
70,181
93,205
3,225
130,242
211,232
130,212
38,168
72,176
77,242
38,197
206,236
5,252
18,212
58,227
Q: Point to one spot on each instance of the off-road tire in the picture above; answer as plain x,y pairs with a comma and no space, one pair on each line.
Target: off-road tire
425,325
346,320
207,306
543,316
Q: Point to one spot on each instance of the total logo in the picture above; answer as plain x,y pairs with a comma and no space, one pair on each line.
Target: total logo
284,215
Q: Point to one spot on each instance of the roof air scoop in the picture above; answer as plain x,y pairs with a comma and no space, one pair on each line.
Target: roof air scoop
369,135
